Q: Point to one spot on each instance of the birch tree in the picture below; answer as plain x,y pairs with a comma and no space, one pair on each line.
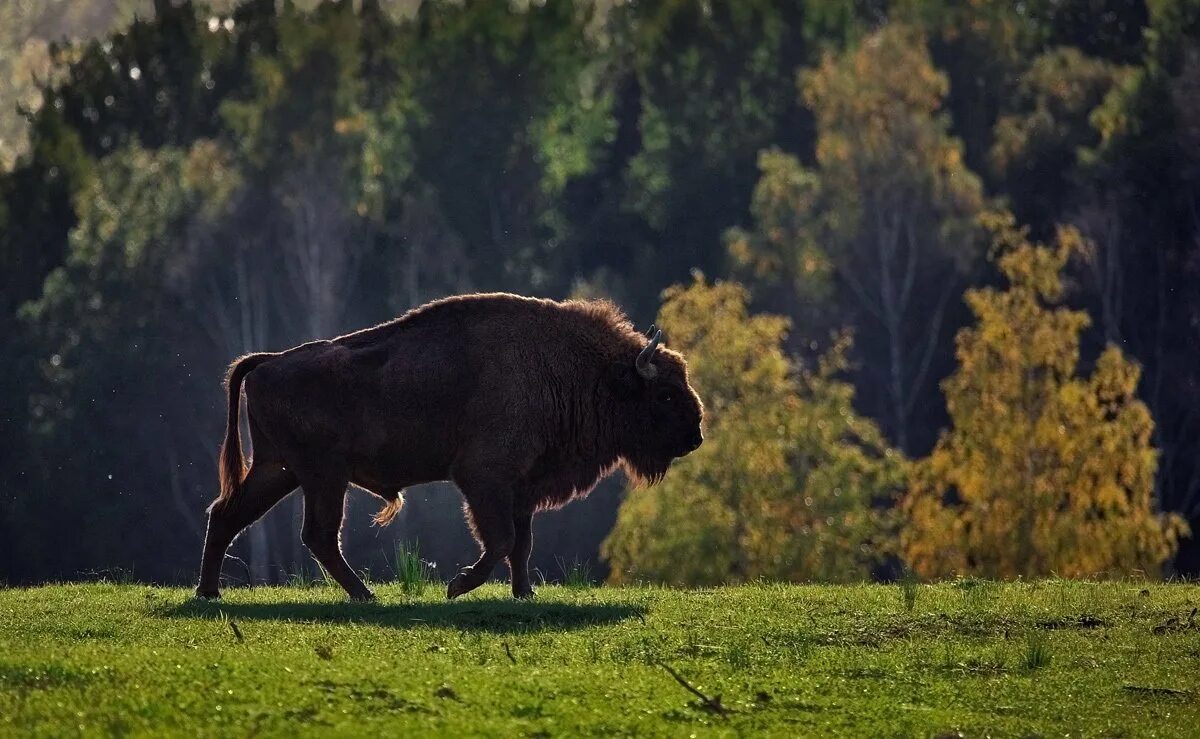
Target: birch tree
882,231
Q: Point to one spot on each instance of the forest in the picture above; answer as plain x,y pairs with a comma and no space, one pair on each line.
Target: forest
935,266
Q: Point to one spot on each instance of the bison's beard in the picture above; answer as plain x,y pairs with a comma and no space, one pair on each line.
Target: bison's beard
644,471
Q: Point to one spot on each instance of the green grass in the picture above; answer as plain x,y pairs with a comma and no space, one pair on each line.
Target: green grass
978,658
576,573
413,574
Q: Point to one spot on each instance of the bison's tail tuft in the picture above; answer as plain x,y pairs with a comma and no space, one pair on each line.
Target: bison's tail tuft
389,511
232,466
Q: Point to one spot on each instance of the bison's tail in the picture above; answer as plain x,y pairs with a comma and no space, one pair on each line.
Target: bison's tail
232,466
389,511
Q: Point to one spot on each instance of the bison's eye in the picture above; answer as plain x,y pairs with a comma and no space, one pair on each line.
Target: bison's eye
665,395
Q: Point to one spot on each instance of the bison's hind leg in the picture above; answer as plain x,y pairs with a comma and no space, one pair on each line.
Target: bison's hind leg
266,484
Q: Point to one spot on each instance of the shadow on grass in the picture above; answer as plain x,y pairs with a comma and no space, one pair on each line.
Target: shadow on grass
495,616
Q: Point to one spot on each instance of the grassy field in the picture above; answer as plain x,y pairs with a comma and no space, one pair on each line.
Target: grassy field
1049,658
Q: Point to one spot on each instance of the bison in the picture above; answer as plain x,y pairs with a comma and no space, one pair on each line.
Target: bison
523,403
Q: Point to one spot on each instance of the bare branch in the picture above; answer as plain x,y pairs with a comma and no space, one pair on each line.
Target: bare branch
713,704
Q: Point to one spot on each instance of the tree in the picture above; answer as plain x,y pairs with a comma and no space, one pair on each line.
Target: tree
985,46
302,134
1140,275
508,112
889,213
1042,471
110,406
782,255
789,483
982,47
695,90
1037,144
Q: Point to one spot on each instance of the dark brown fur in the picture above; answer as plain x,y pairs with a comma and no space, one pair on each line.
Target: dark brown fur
523,403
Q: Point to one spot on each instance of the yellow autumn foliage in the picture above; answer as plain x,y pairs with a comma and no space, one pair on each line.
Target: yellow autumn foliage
1042,472
790,484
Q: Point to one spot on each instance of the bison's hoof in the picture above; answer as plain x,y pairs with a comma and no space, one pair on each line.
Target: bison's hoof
364,597
208,594
525,593
458,586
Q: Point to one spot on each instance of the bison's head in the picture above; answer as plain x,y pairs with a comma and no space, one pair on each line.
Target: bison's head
661,412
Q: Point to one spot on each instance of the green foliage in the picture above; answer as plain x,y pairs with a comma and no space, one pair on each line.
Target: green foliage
509,112
880,233
1036,146
979,45
27,32
107,318
784,249
788,482
677,67
106,299
698,93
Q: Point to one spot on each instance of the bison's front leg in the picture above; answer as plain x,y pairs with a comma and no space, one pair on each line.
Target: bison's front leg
489,504
324,509
518,561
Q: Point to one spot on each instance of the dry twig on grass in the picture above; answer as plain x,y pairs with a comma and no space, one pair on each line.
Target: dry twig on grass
712,704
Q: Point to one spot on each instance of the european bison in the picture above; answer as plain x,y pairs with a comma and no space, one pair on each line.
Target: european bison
523,403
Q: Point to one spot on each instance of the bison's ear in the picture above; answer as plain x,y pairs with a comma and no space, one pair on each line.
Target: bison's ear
624,380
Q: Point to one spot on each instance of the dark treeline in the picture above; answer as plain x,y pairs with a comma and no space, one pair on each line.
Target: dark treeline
201,184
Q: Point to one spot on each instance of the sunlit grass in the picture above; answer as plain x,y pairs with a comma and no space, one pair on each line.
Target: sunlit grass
576,573
976,657
412,573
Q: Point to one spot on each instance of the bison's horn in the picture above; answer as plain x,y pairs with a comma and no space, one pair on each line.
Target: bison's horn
644,367
651,331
